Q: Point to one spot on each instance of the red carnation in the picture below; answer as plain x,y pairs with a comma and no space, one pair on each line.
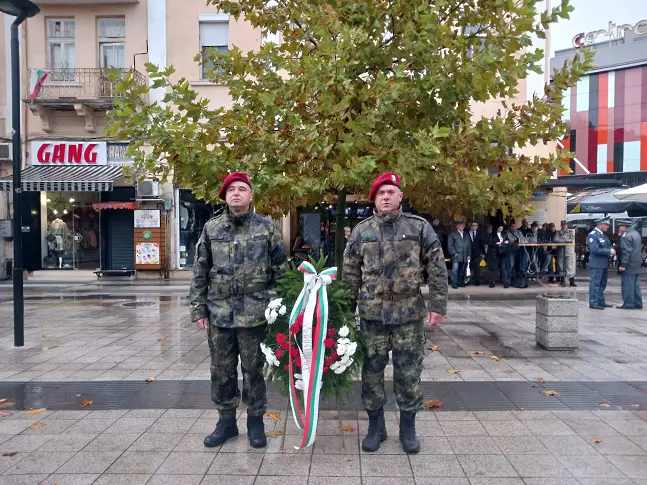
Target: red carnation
285,346
286,367
329,343
328,362
280,338
297,361
279,353
294,352
299,319
295,328
331,332
334,355
325,369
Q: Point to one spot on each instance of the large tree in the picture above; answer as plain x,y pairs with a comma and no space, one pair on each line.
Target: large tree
351,88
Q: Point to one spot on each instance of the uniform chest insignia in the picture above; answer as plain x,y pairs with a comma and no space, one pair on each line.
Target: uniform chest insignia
602,240
591,239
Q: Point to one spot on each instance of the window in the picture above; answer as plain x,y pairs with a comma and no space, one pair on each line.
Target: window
60,48
216,36
112,43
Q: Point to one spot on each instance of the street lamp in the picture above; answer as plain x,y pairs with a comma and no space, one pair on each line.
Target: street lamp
21,9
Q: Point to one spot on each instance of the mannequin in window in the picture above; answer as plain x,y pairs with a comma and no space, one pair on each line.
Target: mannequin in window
61,233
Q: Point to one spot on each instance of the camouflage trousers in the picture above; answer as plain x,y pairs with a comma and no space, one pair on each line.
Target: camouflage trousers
407,343
225,345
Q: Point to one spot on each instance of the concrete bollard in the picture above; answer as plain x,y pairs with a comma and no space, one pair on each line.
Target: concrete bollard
556,325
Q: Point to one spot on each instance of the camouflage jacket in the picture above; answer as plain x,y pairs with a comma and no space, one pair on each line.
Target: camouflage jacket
387,258
238,260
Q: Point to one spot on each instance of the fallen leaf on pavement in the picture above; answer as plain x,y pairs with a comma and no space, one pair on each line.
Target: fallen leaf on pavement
493,357
274,416
85,403
541,380
37,426
454,371
596,440
605,405
434,347
150,379
162,339
347,429
35,411
434,403
5,414
550,393
47,335
478,352
274,434
6,404
185,329
10,453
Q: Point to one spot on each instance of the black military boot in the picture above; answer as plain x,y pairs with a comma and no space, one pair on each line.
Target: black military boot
256,431
225,429
410,443
376,431
572,281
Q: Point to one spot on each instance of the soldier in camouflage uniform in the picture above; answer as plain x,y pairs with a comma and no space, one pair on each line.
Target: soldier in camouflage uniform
388,257
238,259
566,254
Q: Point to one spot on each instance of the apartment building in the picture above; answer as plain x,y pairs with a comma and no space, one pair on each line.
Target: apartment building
79,211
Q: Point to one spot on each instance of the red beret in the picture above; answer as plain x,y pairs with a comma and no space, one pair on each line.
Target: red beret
231,178
388,178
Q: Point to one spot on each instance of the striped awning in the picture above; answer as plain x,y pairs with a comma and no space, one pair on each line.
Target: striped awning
66,179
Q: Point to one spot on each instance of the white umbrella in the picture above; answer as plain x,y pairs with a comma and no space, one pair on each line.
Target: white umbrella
638,193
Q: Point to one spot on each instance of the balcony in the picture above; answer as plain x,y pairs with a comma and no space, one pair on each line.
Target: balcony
82,90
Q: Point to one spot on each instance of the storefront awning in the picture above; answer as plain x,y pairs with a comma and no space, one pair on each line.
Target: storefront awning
66,179
102,206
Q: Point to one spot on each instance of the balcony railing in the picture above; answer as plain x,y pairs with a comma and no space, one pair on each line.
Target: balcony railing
59,87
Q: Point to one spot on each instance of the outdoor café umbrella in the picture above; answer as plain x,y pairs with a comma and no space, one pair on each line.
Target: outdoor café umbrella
638,193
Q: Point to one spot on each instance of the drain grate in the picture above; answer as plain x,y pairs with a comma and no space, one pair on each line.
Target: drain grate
139,304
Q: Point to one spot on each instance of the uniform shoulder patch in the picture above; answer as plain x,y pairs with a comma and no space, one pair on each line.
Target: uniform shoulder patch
364,222
413,216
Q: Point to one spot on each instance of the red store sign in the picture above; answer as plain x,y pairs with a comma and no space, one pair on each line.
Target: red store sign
57,153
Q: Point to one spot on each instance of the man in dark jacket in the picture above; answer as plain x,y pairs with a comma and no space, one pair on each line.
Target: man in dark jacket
601,250
477,251
459,248
629,267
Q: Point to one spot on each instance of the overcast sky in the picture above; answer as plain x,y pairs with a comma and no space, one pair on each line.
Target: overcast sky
588,15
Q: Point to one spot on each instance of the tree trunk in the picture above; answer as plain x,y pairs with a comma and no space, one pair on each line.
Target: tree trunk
339,231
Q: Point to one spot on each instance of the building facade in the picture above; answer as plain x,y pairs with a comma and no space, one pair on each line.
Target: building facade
607,109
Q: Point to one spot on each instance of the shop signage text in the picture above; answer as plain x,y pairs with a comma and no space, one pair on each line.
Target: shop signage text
613,32
48,153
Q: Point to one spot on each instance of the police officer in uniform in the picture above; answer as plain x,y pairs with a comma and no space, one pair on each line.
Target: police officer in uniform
387,259
566,254
239,257
629,266
601,250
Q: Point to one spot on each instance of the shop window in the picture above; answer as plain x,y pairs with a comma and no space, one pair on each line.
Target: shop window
61,49
214,35
112,43
193,213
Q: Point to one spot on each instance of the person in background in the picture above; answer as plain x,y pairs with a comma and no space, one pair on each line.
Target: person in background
524,229
477,251
548,250
347,231
495,256
513,236
459,248
629,266
601,250
566,254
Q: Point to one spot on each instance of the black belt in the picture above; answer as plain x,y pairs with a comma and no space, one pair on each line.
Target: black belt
237,289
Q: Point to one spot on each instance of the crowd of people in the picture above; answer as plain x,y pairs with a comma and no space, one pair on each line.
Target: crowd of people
509,253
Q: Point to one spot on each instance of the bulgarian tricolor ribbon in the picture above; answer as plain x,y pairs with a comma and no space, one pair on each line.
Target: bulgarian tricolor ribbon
312,302
37,78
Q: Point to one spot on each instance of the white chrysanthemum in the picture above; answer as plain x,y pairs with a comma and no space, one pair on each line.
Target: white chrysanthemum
352,348
344,331
275,304
268,316
274,315
339,370
341,348
282,310
269,355
335,365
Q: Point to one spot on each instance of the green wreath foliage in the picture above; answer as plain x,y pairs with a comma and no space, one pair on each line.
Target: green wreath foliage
340,314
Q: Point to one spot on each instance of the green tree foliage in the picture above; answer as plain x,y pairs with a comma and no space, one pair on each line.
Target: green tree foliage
355,88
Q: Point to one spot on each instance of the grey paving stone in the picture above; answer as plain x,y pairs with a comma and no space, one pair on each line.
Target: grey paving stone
71,479
327,445
629,427
520,445
138,462
236,464
145,413
175,480
155,442
590,466
606,481
130,425
23,479
346,481
334,466
538,466
193,443
68,442
432,445
40,462
549,428
240,444
89,462
122,479
463,428
75,415
25,443
113,442
568,445
377,466
438,466
486,466
496,481
273,480
617,445
438,481
631,466
275,464
172,425
586,427
551,481
506,428
186,463
612,415
455,416
495,415
96,426
473,445
14,426
51,427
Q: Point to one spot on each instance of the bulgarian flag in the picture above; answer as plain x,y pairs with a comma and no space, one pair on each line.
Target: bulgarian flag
37,78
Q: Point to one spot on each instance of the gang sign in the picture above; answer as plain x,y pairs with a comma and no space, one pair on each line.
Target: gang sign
57,153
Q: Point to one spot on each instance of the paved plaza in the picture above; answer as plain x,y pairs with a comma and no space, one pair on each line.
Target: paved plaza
90,348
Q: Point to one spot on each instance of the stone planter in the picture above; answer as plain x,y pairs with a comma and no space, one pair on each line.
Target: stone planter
556,322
